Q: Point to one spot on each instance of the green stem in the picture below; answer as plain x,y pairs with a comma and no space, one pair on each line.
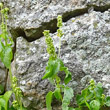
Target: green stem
11,76
20,105
6,107
6,29
87,105
59,47
10,73
6,22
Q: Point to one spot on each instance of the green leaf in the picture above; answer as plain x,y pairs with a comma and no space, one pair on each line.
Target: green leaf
49,100
68,94
61,62
2,102
77,109
1,47
84,92
57,94
2,35
1,89
107,101
52,69
70,108
85,95
51,81
95,105
65,69
12,108
99,91
68,74
7,95
80,99
8,55
22,108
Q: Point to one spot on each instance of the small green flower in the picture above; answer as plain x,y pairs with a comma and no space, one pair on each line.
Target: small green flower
6,9
103,96
2,11
92,82
59,33
50,46
14,79
59,21
15,104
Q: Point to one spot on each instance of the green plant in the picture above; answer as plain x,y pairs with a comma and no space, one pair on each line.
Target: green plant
1,89
6,56
17,104
4,104
92,97
54,66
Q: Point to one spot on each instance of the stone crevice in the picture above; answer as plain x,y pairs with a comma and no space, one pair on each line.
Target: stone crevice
52,25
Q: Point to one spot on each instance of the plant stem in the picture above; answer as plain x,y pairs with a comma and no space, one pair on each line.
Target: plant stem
59,47
10,73
87,105
20,105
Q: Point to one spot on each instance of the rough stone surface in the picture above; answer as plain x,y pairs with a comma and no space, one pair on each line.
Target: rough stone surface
29,18
85,47
85,50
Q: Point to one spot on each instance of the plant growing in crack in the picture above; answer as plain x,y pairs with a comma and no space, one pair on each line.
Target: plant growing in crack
91,97
54,66
6,55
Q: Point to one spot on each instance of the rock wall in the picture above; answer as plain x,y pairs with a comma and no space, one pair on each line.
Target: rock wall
85,47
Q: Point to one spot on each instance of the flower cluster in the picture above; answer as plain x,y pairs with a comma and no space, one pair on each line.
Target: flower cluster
59,25
50,46
4,14
15,104
59,21
17,91
92,84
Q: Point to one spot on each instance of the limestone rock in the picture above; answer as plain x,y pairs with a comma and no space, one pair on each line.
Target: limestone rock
85,50
29,18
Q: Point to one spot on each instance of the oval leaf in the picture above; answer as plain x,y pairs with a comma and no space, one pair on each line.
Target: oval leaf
68,94
95,105
49,100
7,95
57,94
107,101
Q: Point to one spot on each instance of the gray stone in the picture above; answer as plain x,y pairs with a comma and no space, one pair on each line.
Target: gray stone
29,18
85,50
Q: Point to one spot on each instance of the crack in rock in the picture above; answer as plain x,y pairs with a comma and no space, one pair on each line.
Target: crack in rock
31,34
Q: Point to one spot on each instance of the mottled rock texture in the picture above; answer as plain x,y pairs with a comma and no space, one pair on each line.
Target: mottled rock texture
85,47
29,18
85,50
